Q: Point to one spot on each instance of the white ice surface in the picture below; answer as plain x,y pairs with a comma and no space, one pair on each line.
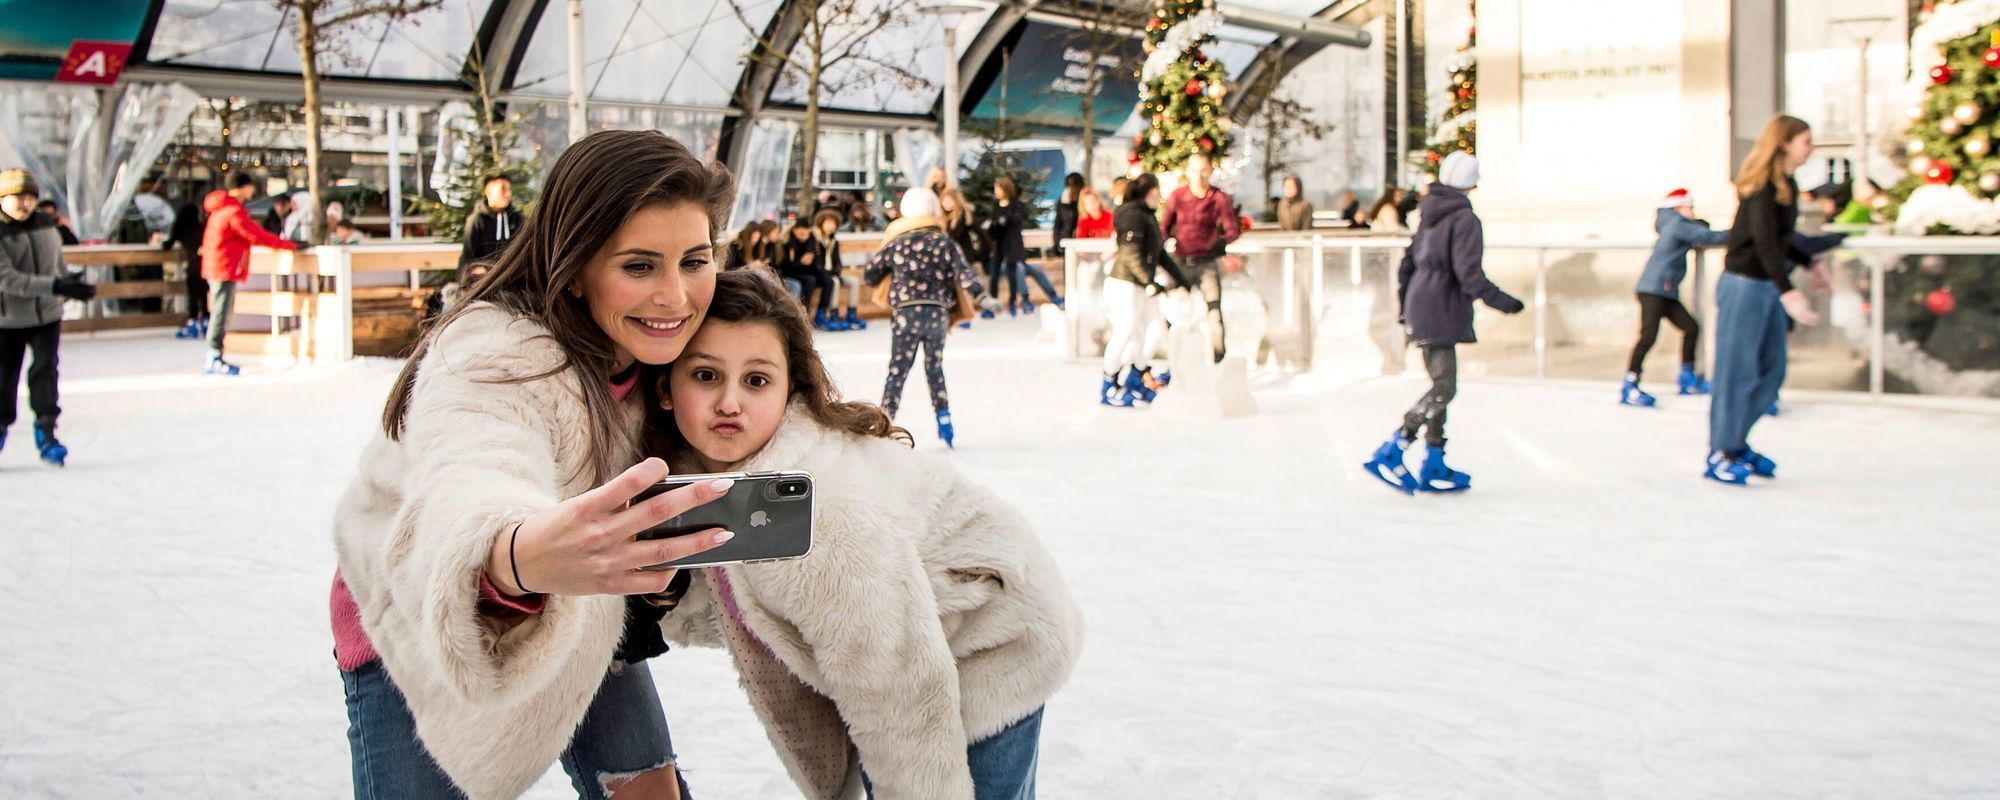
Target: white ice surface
1265,621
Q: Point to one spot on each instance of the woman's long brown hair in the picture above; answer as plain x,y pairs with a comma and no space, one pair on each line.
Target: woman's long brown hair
752,296
596,184
1765,164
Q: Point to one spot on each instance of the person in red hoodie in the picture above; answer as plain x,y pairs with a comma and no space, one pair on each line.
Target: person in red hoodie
1202,221
225,258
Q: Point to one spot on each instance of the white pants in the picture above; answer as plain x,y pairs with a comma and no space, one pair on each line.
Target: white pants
1137,328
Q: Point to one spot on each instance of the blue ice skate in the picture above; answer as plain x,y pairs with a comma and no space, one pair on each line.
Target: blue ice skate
1136,389
854,322
192,330
1436,477
1387,464
53,452
1760,466
1108,394
1722,468
217,366
944,429
1629,393
1691,382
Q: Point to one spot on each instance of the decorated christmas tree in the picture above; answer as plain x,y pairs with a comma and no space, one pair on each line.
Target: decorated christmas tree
1943,312
1457,130
1180,88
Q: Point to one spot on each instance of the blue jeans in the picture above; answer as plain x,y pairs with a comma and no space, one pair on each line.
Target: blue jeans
1750,327
1003,765
623,732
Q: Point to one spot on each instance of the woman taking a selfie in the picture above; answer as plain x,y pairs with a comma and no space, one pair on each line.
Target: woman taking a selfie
486,551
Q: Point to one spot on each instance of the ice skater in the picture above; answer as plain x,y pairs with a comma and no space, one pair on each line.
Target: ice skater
33,285
1129,291
1202,221
925,270
937,690
1659,293
1441,275
1755,301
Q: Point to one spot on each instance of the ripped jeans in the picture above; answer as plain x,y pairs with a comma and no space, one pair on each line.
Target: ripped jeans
624,732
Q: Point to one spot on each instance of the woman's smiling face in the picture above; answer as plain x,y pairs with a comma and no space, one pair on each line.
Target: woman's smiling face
650,284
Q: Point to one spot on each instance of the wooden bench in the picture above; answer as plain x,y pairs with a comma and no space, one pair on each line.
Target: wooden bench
101,263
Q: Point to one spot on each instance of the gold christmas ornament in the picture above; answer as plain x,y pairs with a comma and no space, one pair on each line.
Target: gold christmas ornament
1951,126
1918,165
1156,139
1967,112
1915,112
1913,146
1990,183
1978,146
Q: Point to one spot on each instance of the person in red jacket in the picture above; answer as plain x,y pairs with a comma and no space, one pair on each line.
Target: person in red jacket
225,258
1093,219
1202,221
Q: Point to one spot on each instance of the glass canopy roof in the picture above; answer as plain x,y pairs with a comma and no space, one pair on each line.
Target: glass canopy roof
676,53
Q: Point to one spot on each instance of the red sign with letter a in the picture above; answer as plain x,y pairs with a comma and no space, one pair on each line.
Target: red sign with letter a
94,62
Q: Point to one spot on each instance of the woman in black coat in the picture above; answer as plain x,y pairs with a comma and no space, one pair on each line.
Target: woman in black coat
1135,279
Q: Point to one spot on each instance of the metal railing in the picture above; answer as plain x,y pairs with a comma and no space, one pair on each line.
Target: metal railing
1582,318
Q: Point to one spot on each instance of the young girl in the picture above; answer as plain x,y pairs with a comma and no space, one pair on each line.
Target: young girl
927,271
1753,298
1093,220
929,626
826,224
1441,275
1659,292
486,551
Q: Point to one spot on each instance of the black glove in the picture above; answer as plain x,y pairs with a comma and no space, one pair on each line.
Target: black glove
73,287
1507,304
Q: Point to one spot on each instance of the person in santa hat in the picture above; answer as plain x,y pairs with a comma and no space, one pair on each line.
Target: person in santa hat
1659,293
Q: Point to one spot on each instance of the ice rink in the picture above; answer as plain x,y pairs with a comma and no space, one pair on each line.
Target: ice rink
1593,620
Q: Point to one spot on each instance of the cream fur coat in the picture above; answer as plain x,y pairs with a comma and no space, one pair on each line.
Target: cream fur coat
414,531
928,612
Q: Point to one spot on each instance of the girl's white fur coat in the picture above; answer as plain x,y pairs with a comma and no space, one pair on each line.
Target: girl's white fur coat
413,532
928,610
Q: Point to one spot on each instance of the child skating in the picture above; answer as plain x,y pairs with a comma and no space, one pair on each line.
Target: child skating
1441,275
1659,293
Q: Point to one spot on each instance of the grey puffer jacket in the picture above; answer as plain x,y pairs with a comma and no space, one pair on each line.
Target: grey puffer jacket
1443,272
30,261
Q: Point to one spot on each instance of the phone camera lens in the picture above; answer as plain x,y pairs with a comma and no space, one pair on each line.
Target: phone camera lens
791,488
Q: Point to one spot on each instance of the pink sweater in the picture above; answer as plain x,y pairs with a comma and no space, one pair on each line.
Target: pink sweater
351,648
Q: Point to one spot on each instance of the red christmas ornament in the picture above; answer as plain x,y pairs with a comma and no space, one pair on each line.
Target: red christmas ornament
1991,58
1194,87
1465,94
1138,139
1433,157
1941,302
1941,74
1132,157
1206,143
1939,172
1200,57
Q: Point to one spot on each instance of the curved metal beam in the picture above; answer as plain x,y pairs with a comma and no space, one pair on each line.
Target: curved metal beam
754,83
504,37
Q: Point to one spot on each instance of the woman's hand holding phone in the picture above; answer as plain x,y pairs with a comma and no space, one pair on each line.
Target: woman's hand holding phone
586,545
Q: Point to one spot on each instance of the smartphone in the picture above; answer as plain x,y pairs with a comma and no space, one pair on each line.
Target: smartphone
771,513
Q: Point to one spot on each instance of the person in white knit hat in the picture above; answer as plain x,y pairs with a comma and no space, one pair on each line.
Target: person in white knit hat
1440,277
